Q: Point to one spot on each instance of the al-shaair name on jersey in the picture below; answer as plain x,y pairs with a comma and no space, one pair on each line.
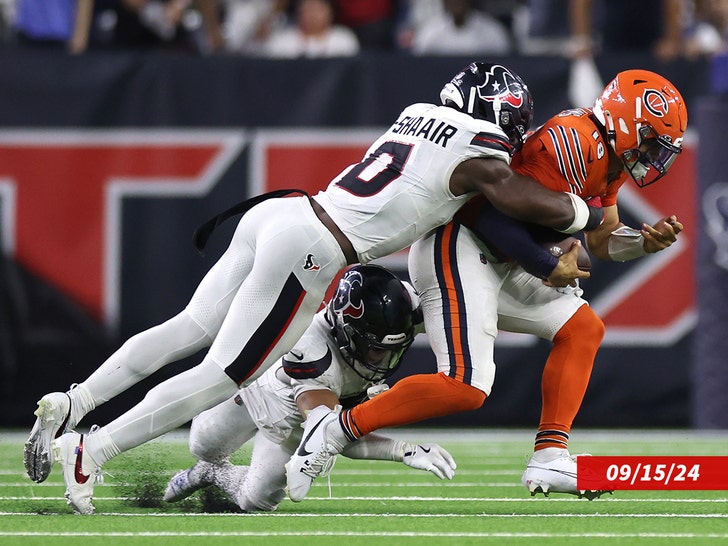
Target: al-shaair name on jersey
400,190
315,363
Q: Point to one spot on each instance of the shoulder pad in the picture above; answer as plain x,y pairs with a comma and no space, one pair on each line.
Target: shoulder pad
300,369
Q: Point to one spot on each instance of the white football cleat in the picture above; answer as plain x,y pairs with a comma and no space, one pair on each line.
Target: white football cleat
186,482
68,450
52,415
323,439
555,475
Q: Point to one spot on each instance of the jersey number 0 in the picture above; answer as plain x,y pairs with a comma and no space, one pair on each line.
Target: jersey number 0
377,170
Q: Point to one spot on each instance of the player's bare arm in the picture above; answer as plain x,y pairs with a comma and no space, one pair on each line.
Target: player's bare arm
517,196
597,240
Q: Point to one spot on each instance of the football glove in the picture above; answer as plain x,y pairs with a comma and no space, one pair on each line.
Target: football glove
430,457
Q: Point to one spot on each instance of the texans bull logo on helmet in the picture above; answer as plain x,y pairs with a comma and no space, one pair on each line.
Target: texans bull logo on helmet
500,84
348,295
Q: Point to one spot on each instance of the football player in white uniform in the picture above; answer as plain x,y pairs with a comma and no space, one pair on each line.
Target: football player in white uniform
261,295
351,347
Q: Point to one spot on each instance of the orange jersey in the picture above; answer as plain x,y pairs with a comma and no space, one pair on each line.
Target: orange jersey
568,153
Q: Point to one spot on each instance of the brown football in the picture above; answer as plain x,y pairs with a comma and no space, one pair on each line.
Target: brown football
557,248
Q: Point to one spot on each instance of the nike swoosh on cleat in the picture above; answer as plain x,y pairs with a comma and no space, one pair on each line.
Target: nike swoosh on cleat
425,449
302,450
297,354
78,472
62,428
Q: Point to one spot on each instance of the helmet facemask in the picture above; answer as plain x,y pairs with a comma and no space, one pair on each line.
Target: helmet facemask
372,359
652,159
372,320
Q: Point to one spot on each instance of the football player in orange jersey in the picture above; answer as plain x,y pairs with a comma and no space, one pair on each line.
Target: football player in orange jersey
635,130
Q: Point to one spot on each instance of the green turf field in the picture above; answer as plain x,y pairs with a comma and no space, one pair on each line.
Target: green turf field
371,502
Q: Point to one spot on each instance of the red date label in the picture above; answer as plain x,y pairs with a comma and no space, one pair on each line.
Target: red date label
643,473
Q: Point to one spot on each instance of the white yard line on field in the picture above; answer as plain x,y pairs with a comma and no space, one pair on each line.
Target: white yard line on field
386,534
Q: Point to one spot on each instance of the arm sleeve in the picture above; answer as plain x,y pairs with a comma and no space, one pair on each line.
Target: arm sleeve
512,238
374,446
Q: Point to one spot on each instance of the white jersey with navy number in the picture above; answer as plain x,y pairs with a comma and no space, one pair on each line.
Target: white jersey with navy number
314,363
261,295
400,190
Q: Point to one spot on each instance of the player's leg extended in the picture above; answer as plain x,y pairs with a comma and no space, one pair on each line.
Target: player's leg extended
462,338
141,355
458,292
526,306
263,488
183,335
269,312
296,258
566,374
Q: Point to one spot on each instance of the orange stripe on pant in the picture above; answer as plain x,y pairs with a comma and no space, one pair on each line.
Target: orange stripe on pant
453,305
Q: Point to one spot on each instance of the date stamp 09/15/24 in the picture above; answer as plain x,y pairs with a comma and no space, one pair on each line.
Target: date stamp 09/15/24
652,472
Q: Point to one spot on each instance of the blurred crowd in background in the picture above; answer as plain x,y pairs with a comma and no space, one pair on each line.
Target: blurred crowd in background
331,28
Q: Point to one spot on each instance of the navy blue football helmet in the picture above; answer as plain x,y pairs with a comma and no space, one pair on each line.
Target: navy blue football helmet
494,93
373,321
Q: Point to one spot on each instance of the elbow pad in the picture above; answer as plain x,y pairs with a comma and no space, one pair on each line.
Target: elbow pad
586,217
626,243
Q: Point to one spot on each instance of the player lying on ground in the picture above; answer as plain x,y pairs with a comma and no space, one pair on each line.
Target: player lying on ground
468,292
351,347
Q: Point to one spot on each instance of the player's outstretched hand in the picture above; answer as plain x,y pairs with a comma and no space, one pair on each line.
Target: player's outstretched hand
662,234
430,457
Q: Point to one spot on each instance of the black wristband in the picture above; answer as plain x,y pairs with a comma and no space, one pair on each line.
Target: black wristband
596,217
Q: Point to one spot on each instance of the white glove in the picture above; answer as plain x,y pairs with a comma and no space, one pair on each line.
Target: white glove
430,457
